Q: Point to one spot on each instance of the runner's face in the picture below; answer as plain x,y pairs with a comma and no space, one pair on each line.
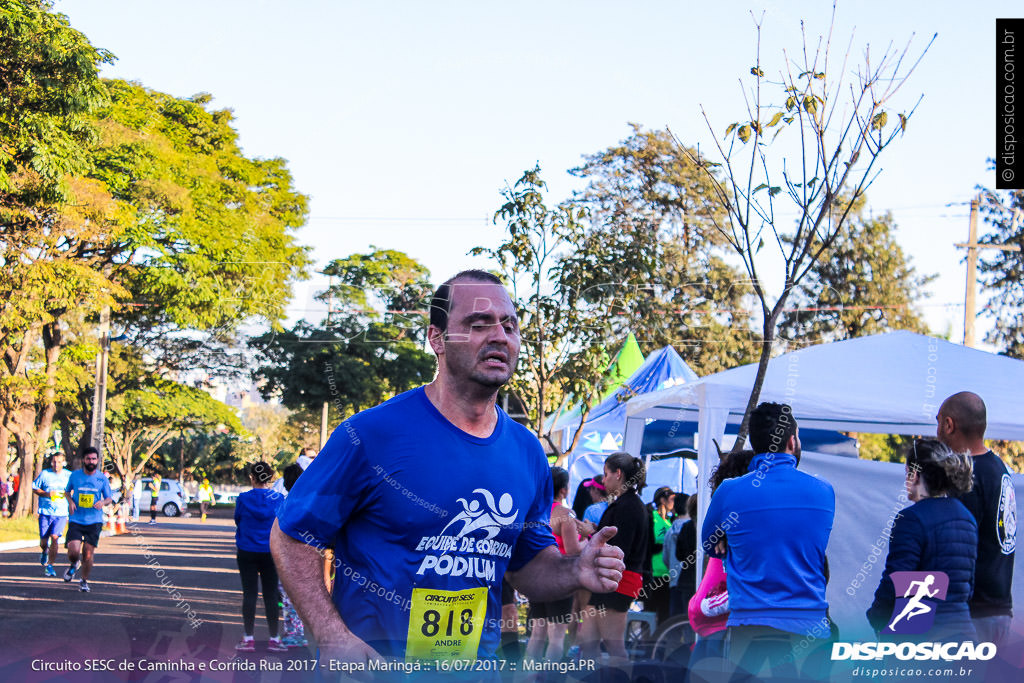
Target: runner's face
612,480
481,344
58,463
90,462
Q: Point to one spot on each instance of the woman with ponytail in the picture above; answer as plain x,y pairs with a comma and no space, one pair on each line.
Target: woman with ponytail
605,620
935,534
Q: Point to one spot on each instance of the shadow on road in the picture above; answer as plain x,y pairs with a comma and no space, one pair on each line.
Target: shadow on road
145,585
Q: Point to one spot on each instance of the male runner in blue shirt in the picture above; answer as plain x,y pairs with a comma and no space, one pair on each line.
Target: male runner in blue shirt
88,491
429,500
53,510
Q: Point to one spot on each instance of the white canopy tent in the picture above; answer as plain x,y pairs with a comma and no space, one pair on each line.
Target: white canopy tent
890,383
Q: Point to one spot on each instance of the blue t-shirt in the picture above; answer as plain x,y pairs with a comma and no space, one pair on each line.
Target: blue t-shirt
411,502
254,516
593,512
54,484
87,490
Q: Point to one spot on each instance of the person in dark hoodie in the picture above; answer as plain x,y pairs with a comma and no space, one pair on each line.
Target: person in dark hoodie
772,526
255,512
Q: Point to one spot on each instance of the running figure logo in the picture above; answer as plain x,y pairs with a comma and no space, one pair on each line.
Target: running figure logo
489,516
921,591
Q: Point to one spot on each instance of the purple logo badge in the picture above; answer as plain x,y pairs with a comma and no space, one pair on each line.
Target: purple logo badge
921,593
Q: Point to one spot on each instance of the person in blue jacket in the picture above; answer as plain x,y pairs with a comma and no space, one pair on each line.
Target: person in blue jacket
935,534
255,511
772,526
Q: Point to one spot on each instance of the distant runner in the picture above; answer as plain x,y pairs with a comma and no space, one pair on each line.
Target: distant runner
205,498
53,510
88,491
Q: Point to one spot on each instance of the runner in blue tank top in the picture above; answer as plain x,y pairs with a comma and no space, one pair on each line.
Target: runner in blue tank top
428,500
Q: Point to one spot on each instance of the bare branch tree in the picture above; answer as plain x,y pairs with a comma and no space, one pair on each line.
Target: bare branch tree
837,126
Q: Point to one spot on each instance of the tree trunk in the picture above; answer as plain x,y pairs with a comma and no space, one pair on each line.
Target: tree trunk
5,440
768,336
26,446
65,436
181,456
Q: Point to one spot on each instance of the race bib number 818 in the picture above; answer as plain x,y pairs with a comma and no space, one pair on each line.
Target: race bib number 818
445,624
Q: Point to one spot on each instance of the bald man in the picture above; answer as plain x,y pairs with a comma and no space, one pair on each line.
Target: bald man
961,426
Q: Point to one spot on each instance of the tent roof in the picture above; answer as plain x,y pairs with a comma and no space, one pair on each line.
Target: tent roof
889,383
662,369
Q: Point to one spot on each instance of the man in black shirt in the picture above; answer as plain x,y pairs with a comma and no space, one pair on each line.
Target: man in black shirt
961,426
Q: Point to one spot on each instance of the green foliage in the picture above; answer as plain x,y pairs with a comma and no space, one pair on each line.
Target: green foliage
1002,272
206,234
562,352
863,284
652,256
49,84
883,447
384,286
1012,453
365,353
218,456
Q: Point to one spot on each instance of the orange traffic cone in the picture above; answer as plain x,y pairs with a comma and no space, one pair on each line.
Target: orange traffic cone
120,525
110,523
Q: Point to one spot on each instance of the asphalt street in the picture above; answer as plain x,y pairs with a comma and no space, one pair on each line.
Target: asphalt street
165,606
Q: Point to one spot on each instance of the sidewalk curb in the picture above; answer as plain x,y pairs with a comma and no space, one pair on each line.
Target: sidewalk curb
18,545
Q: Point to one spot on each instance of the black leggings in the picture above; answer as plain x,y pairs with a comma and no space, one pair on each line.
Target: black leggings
252,565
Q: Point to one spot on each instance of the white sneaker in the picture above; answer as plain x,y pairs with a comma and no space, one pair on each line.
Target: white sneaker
83,586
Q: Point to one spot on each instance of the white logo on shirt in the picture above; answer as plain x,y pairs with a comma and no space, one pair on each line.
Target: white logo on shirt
489,517
1006,517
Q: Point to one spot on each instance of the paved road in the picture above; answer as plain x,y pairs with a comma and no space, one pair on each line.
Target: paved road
143,586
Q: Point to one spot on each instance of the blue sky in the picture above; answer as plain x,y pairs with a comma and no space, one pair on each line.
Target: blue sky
403,120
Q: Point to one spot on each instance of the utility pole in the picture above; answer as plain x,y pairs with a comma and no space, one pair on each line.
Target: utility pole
972,247
323,413
99,398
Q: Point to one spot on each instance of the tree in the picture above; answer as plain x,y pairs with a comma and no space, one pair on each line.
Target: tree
169,216
862,285
150,409
649,199
565,325
835,132
49,88
1002,272
367,350
278,434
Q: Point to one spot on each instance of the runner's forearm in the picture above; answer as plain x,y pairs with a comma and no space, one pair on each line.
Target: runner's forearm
548,576
301,570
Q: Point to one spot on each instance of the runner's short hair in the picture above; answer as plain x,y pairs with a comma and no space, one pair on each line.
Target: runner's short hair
679,504
261,472
290,475
559,479
441,302
771,425
662,492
